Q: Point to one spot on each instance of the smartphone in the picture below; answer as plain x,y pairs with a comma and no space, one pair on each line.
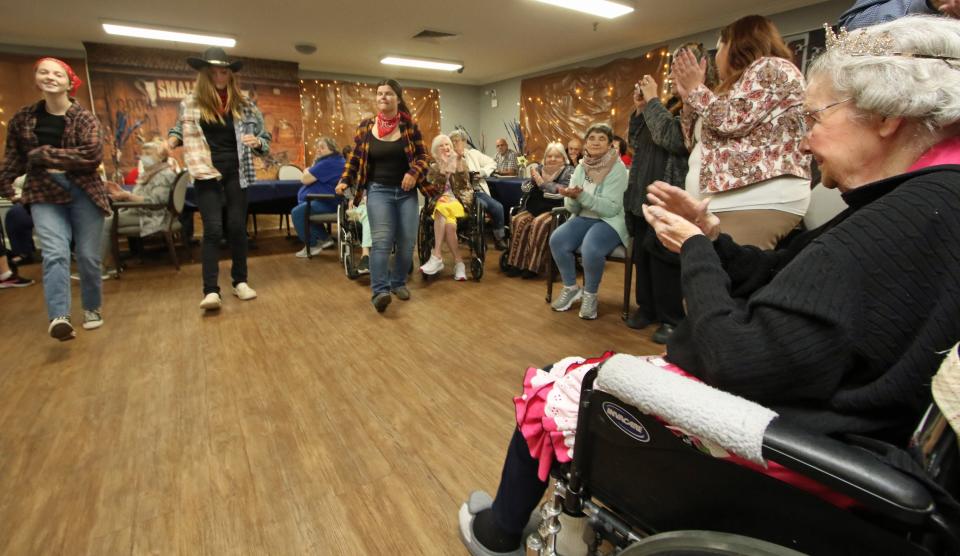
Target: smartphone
637,89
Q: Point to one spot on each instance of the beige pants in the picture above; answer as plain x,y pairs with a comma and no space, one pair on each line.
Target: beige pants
762,228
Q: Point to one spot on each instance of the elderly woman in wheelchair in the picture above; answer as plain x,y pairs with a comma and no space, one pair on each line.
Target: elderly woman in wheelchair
825,349
448,191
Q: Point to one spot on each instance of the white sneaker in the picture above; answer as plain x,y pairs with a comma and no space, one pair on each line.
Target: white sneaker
211,302
244,292
460,272
433,266
325,245
92,320
61,329
314,251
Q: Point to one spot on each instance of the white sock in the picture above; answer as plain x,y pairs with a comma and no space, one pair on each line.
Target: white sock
5,275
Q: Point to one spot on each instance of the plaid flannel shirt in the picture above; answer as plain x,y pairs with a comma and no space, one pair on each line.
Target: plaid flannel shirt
196,150
507,163
355,171
79,157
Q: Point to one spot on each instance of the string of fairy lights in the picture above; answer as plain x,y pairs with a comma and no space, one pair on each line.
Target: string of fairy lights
609,95
325,105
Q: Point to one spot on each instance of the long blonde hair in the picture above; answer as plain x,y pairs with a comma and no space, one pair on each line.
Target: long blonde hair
209,101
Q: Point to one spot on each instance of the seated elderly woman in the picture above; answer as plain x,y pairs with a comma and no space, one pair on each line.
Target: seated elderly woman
154,184
598,225
841,331
448,190
322,177
531,226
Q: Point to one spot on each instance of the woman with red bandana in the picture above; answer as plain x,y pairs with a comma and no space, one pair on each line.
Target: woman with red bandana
57,144
388,160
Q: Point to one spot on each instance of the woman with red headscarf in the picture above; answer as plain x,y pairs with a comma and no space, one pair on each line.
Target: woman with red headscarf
57,144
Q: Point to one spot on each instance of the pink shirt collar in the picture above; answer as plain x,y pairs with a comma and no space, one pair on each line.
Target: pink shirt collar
944,152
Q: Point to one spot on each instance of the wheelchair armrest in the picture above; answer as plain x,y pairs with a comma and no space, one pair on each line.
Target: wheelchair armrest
132,204
849,470
319,196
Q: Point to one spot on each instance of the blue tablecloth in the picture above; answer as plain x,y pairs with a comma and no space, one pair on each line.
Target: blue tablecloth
263,191
506,190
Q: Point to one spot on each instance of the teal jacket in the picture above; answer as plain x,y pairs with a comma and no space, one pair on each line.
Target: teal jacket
607,200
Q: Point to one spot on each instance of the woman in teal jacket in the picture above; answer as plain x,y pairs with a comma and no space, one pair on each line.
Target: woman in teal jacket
595,199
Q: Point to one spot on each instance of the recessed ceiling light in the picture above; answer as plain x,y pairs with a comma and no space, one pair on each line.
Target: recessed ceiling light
165,35
602,8
421,63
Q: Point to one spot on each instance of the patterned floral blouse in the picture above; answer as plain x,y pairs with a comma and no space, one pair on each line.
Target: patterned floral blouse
752,132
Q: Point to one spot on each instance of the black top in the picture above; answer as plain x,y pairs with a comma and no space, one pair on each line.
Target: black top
222,139
387,162
843,331
49,129
537,204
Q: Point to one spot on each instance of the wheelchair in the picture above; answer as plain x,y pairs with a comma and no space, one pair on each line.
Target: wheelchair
470,231
349,239
656,494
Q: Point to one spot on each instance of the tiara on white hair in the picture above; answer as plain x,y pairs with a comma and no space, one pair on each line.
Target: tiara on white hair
860,43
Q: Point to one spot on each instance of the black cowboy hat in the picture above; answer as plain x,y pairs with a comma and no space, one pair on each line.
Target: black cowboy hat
214,56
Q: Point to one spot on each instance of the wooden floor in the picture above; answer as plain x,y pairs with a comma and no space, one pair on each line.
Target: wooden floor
302,422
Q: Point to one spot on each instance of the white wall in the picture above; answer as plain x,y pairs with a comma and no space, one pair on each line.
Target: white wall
508,92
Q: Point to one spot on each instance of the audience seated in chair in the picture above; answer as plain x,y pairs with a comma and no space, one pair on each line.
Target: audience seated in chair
595,199
482,166
530,228
820,332
19,225
321,178
449,190
154,185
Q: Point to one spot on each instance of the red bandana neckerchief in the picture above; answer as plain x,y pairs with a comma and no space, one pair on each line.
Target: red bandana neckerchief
386,126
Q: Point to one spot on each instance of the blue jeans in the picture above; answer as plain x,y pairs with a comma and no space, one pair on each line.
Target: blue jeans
595,239
317,231
495,210
81,221
393,215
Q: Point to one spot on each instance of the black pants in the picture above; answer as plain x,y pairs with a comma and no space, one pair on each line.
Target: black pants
658,289
520,489
19,225
212,196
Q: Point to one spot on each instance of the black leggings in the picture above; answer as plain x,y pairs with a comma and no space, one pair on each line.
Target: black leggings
520,489
212,196
659,293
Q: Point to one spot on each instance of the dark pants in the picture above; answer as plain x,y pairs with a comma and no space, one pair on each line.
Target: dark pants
19,225
212,196
658,289
520,489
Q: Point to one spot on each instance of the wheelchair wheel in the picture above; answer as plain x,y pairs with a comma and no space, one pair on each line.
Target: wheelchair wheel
349,266
342,229
504,260
693,543
476,268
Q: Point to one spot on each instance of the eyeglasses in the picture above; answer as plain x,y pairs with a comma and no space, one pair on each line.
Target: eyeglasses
811,118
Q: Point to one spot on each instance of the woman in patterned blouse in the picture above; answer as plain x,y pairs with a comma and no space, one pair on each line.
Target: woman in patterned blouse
744,137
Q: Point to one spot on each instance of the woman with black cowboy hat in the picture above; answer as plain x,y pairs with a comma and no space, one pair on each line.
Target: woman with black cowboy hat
220,131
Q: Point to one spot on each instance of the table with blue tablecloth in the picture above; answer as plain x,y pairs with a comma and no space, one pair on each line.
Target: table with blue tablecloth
506,190
263,197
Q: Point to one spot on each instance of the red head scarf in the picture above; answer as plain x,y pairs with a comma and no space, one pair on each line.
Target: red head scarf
75,81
